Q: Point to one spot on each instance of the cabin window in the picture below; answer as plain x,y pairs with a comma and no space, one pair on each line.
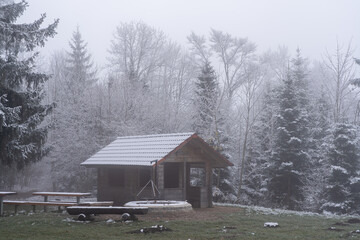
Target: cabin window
171,175
116,177
144,176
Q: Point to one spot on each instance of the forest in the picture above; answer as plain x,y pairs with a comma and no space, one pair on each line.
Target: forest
289,124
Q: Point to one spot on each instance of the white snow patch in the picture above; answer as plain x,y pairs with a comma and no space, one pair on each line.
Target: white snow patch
276,211
75,221
271,224
354,180
110,221
158,203
294,140
287,164
338,168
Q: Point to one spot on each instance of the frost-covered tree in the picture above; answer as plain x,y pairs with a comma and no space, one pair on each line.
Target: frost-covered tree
136,52
338,73
233,55
79,68
318,141
76,128
250,94
291,152
341,191
287,181
207,122
206,99
260,150
151,79
22,136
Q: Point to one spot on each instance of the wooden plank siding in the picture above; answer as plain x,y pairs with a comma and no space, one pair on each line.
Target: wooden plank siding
172,170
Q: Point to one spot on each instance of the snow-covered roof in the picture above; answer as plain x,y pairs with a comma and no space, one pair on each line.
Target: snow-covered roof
137,150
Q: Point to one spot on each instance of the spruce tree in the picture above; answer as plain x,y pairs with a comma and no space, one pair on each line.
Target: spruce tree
208,123
319,138
22,137
341,191
79,70
206,96
291,155
77,128
255,187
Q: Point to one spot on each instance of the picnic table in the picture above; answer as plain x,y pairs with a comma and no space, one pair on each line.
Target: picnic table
2,195
62,194
46,196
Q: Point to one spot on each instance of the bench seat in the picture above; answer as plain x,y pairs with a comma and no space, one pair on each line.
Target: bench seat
76,210
104,203
38,203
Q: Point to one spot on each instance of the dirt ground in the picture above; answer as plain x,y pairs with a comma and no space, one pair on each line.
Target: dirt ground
211,214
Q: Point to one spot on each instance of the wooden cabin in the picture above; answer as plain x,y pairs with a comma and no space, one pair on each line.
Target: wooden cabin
180,166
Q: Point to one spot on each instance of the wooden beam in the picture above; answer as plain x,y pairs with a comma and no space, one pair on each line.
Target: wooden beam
184,181
208,182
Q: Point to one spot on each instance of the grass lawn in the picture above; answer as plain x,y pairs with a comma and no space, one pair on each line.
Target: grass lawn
239,223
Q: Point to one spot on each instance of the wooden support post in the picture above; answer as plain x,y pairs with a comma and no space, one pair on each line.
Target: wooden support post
45,207
184,181
208,183
1,206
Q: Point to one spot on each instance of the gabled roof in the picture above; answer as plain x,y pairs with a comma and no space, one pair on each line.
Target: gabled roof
143,150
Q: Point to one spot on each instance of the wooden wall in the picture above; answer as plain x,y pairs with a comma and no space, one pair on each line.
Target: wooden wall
128,192
118,194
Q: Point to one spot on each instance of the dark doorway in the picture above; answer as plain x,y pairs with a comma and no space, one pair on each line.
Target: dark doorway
196,183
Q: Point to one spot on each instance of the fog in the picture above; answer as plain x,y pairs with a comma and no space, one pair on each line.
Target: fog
289,124
314,26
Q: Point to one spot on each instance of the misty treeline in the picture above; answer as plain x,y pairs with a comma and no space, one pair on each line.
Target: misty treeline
289,124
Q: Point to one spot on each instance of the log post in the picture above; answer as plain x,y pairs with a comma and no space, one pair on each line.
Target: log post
208,183
184,181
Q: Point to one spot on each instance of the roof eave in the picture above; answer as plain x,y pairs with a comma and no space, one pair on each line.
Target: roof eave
195,136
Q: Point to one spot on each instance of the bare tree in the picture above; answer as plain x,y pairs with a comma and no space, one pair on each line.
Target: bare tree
230,52
234,53
251,92
199,48
338,72
151,80
136,51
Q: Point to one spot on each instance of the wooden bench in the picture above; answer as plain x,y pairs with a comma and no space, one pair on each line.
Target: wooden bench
84,212
2,195
104,203
37,203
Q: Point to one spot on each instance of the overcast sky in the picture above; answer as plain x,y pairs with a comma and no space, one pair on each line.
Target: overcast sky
313,25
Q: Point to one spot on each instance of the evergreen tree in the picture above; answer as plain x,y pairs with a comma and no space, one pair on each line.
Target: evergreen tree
291,156
77,130
80,70
340,194
206,96
319,137
21,112
208,124
255,187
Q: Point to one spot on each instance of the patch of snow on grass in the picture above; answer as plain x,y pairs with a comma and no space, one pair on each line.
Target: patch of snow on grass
277,211
271,224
